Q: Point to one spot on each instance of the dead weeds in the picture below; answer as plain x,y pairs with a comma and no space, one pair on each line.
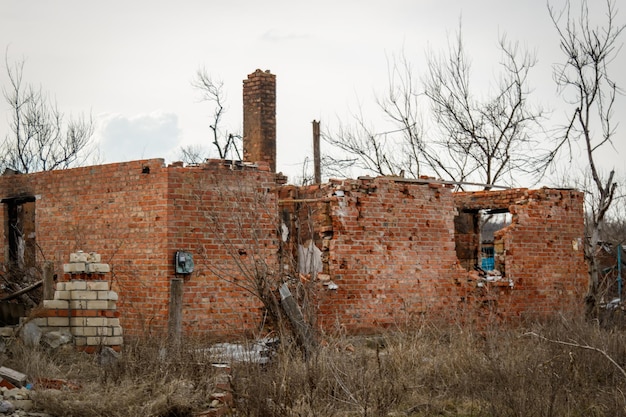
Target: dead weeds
419,372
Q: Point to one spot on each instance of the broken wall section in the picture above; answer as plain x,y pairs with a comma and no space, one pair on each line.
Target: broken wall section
307,228
387,250
540,253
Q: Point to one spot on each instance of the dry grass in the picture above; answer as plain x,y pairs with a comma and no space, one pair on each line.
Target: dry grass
426,371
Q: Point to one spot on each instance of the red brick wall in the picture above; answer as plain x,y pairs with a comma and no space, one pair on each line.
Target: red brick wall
137,214
388,244
226,217
391,252
543,249
116,210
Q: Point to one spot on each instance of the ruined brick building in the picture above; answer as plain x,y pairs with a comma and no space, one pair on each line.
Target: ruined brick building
374,252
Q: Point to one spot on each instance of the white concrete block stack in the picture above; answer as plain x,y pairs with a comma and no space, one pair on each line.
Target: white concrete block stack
87,309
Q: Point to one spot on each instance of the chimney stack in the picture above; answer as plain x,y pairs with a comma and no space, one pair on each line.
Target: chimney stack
259,118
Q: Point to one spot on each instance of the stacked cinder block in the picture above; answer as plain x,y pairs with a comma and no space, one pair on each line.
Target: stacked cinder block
86,308
85,264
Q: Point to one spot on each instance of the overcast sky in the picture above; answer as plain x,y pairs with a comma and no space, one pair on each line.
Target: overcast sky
130,63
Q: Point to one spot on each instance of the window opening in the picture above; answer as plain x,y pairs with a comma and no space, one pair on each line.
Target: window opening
491,245
478,245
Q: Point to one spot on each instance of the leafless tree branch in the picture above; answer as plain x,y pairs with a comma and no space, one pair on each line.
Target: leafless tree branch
580,346
487,139
39,139
491,137
227,144
584,82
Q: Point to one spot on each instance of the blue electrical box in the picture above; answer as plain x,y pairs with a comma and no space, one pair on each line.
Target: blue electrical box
183,262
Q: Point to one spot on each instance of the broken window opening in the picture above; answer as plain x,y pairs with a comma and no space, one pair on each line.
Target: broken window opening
491,245
478,245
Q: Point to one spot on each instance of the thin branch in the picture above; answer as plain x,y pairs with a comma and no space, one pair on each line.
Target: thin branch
580,346
226,143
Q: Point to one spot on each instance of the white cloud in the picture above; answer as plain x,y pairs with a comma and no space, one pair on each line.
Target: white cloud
124,138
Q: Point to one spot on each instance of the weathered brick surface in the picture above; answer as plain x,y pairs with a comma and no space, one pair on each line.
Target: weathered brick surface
136,215
390,252
544,254
226,217
118,210
390,246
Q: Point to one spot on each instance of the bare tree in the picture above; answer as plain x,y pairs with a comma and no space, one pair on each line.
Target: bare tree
396,151
39,140
364,149
193,154
488,137
584,81
227,144
401,106
482,138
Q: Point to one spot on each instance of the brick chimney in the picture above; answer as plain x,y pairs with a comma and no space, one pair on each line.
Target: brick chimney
259,118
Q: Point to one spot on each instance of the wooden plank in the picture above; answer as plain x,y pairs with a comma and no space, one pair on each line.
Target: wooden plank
16,378
304,333
22,291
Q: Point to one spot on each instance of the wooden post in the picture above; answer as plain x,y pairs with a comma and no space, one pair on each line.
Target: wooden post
175,319
316,152
48,280
302,329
